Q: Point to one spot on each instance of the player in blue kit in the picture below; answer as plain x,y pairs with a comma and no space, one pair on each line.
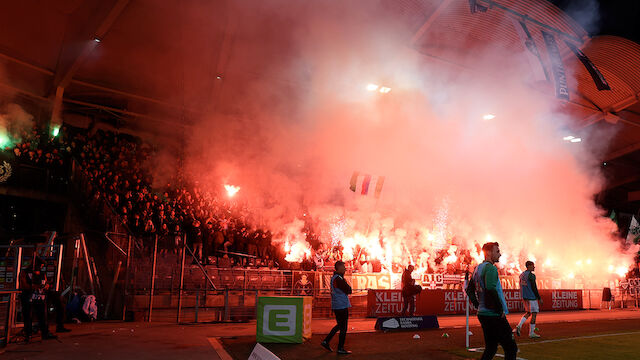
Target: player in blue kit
531,299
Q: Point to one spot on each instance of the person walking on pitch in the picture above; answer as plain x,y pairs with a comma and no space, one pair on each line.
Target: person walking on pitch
485,293
340,305
531,299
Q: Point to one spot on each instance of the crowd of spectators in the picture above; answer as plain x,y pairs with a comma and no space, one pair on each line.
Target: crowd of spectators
216,230
38,161
35,147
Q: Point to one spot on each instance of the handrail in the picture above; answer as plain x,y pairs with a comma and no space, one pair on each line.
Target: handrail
237,254
10,291
106,235
204,271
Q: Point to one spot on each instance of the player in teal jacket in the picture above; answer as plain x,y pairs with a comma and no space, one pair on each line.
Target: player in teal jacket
485,292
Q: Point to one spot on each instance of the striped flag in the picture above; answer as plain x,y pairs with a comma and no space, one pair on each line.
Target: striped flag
634,231
533,55
362,183
596,75
557,67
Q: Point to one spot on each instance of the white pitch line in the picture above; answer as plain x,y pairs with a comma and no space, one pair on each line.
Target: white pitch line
222,353
559,340
579,337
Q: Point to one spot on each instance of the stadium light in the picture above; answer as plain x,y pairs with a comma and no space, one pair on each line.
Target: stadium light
568,138
488,117
385,90
576,140
372,87
97,39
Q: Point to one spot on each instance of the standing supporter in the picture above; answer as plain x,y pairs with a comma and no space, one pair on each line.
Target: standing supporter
33,296
409,291
177,239
196,240
208,242
164,242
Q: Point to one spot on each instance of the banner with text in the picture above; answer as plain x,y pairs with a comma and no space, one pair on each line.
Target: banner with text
447,302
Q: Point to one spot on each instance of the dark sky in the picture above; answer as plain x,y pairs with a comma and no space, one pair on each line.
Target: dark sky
605,17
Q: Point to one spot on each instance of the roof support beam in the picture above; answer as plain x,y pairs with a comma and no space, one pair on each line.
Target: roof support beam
609,114
430,20
125,112
492,4
6,56
633,196
623,181
57,107
623,151
42,70
93,19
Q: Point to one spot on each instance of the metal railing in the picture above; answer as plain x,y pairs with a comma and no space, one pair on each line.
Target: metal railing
8,300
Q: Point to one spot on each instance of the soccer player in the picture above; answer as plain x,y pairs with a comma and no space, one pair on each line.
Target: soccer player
340,305
531,298
485,292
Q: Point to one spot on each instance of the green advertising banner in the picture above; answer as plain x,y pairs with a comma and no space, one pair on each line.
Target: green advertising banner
283,319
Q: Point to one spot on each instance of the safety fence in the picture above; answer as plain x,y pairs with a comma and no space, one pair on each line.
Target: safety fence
178,288
7,314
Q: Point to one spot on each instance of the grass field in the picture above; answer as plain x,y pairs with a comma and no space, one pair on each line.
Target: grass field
603,346
608,339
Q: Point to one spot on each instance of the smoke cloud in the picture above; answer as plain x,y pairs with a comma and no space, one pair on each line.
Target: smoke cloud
14,122
294,134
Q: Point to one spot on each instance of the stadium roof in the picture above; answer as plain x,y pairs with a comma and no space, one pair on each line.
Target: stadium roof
167,61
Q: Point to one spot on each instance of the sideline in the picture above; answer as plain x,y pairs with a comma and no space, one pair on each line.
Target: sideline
579,338
479,350
217,346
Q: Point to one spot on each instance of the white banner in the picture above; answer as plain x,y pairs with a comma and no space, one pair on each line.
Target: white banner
262,353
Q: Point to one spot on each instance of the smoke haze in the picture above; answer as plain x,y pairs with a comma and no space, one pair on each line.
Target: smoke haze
293,138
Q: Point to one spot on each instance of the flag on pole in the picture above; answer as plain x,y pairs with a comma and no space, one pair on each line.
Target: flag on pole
354,181
559,74
596,75
634,231
361,183
533,55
